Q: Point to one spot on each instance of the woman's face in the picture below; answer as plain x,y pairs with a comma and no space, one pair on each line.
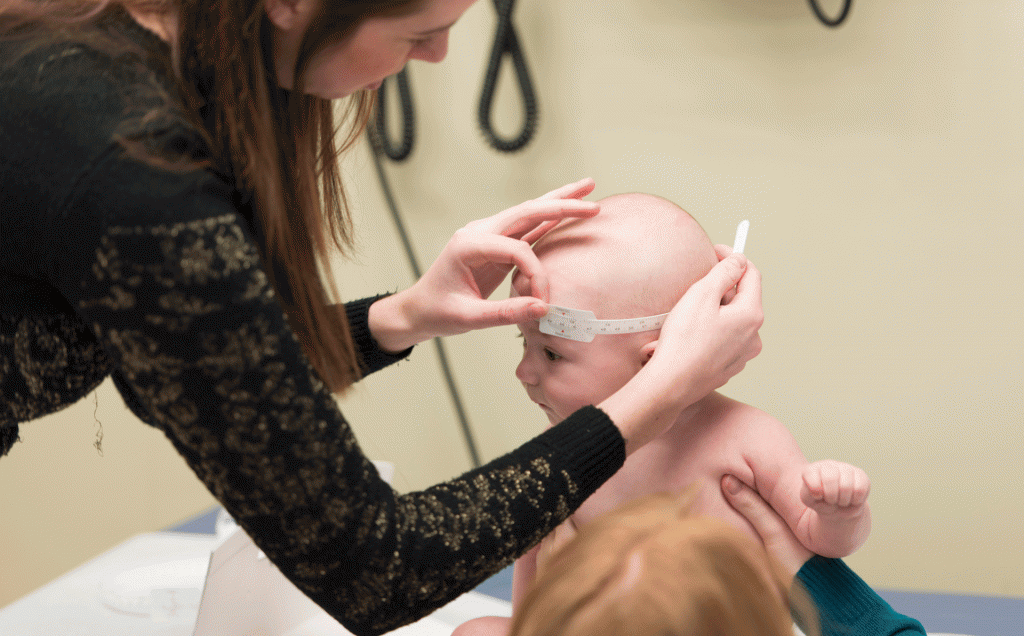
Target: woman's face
379,47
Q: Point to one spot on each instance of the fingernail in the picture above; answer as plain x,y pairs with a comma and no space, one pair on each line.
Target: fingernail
731,484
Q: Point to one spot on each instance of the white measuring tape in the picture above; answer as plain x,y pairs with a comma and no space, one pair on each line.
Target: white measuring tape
581,325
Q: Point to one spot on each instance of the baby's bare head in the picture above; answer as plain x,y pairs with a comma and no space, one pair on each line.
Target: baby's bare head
635,258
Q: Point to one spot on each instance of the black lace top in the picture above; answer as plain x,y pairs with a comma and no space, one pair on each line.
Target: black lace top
111,266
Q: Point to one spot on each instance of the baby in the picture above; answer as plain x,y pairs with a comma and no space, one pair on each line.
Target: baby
635,260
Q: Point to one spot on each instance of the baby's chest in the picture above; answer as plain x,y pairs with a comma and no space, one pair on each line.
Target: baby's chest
692,466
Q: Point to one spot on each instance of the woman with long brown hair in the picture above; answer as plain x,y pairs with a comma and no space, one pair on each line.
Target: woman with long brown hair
168,189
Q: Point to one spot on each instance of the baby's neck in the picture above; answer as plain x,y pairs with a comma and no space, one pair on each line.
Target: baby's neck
695,413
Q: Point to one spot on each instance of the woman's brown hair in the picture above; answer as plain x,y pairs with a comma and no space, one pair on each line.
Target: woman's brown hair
280,147
651,569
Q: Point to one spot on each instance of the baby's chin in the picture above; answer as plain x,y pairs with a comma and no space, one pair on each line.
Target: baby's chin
552,417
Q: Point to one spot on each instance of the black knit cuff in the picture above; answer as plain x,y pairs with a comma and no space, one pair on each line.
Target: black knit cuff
371,356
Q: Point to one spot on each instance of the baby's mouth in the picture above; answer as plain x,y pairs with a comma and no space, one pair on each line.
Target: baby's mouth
543,407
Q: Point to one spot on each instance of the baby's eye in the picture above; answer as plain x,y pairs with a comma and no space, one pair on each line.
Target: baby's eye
551,355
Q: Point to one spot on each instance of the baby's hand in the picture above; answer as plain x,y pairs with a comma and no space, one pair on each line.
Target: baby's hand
832,487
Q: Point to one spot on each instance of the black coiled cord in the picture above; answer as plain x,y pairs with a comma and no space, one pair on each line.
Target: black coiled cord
379,131
827,21
410,254
506,42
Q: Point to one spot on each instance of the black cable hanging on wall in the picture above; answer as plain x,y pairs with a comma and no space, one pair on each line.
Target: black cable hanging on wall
379,130
460,411
827,21
506,42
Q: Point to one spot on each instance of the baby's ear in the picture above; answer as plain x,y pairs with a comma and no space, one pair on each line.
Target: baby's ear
647,351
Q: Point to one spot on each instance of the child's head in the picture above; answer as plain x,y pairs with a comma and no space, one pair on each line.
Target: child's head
649,569
634,259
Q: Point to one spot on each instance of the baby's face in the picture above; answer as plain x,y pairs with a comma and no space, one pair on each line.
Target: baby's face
562,375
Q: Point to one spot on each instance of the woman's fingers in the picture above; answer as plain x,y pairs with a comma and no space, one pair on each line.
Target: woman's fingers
452,295
777,537
534,235
723,252
491,257
748,289
717,339
524,218
501,313
576,190
716,287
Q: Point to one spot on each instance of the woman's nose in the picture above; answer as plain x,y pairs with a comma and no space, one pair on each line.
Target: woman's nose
434,51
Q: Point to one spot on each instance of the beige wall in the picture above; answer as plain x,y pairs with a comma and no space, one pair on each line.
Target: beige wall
882,167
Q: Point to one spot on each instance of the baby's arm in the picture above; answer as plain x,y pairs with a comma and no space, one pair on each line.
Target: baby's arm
523,573
522,576
824,503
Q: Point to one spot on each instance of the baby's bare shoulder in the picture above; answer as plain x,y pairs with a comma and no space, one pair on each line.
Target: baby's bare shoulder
733,413
751,430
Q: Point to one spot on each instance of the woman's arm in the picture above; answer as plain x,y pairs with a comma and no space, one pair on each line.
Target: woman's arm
161,268
164,272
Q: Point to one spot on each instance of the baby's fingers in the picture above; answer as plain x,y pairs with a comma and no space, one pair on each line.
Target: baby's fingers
861,487
812,483
836,483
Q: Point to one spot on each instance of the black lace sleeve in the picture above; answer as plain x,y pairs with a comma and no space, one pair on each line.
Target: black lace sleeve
162,269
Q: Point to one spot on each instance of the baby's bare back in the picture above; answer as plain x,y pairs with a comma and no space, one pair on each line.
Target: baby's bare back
721,436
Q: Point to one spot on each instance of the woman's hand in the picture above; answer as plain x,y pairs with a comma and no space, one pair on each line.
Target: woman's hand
707,338
451,296
778,539
715,325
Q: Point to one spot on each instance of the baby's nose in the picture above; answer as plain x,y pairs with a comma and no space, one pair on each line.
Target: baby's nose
525,372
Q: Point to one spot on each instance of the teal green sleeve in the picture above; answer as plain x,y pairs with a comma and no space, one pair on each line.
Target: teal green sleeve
847,605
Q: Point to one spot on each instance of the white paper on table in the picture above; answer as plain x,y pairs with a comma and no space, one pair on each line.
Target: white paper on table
246,595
